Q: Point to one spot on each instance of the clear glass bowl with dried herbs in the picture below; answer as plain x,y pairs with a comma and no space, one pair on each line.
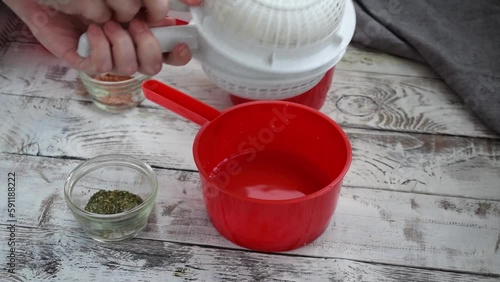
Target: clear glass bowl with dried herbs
111,196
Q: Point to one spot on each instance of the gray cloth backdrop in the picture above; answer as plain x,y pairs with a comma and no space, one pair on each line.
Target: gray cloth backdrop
459,39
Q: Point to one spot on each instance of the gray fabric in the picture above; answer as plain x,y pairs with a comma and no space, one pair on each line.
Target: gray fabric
459,39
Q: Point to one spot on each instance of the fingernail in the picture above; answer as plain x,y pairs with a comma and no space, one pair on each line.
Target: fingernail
183,51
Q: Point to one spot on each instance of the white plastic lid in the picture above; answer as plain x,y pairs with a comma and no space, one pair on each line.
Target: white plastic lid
277,36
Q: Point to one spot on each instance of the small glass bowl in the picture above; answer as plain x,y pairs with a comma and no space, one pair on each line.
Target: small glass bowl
111,172
115,96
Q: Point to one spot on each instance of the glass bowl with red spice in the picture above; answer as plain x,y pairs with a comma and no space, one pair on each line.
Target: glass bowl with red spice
111,196
115,93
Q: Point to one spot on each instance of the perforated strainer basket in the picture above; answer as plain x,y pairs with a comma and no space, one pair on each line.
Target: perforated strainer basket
263,49
273,24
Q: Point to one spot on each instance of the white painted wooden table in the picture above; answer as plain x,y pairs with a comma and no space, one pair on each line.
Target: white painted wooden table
420,203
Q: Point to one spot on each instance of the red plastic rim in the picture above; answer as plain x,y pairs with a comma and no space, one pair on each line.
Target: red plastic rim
318,193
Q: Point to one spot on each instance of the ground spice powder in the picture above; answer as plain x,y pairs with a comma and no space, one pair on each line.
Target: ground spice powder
112,77
117,97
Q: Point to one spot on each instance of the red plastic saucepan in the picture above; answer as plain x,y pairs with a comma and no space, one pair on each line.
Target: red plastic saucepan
271,171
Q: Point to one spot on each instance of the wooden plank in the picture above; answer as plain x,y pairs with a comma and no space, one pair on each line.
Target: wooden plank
21,33
362,100
8,24
359,59
404,104
67,256
386,227
371,101
419,163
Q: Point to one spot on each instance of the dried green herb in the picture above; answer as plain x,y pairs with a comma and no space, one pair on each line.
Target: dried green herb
111,202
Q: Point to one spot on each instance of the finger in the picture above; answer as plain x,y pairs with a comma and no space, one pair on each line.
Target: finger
192,2
156,10
95,10
99,59
125,10
168,21
122,49
100,51
181,55
147,48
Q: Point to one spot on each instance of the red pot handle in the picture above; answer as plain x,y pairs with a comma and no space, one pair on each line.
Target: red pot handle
178,102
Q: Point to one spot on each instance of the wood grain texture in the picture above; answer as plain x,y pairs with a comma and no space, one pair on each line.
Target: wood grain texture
21,33
363,59
9,23
407,104
369,225
417,200
357,99
67,256
419,163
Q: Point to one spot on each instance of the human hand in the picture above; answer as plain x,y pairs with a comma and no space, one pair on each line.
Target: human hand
114,48
123,11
